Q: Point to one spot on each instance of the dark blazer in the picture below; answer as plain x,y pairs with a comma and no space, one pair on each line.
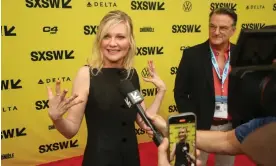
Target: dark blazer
194,84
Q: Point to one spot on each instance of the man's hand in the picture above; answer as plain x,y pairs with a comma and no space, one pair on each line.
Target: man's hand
161,126
163,153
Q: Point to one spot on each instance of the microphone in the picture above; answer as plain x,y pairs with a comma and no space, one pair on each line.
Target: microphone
134,98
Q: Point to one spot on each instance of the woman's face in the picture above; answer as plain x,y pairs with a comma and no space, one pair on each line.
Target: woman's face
182,134
115,45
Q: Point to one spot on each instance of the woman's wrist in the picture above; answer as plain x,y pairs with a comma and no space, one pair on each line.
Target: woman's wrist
161,90
55,118
160,93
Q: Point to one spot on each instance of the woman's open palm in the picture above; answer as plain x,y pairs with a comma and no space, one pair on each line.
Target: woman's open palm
58,103
154,78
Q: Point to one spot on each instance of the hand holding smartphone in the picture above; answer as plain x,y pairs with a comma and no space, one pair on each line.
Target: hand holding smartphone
182,139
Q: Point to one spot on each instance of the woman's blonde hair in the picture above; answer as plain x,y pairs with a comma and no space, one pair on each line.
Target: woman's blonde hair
109,20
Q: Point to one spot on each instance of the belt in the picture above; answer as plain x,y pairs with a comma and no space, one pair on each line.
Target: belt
220,122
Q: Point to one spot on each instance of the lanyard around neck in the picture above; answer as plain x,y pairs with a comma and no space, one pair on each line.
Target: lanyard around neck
216,67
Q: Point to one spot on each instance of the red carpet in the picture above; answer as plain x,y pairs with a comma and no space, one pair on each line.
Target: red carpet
148,155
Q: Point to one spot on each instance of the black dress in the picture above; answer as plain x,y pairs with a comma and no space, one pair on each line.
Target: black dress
111,139
181,151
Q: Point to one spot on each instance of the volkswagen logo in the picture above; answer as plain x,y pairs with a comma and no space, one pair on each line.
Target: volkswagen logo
145,72
187,6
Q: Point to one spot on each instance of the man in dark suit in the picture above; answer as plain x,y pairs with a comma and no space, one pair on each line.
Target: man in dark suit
201,84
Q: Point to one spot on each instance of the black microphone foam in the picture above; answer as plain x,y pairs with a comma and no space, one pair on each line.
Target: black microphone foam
125,87
123,74
134,97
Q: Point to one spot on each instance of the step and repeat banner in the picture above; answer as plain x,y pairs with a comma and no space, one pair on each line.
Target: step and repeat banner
47,40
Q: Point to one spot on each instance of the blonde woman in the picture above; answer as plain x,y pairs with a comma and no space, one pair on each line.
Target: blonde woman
111,137
180,150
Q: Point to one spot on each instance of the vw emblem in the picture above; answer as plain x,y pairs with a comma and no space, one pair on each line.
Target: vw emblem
187,6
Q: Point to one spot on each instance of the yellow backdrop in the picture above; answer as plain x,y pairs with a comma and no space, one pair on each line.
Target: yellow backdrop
46,40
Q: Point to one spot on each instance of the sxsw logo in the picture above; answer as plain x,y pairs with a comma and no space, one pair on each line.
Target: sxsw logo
9,108
64,4
102,4
149,92
173,70
7,156
58,146
41,104
172,108
12,133
155,50
52,55
139,131
135,97
49,80
189,28
274,7
147,29
184,47
252,26
51,30
8,30
147,5
11,84
232,6
90,29
51,127
128,103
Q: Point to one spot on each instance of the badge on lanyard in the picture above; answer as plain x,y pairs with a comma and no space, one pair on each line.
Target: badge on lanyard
221,101
221,107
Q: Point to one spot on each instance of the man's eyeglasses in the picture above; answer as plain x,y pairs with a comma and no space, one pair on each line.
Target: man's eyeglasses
222,29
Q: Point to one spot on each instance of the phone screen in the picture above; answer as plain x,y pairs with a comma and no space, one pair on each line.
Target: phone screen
182,128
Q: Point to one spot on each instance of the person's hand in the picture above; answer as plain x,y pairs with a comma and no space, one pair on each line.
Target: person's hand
198,162
163,154
58,104
159,123
154,78
142,124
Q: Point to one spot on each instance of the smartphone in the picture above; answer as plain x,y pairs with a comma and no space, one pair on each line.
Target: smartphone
182,138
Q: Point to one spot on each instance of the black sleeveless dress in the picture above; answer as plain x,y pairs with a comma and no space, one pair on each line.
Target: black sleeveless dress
181,151
111,139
